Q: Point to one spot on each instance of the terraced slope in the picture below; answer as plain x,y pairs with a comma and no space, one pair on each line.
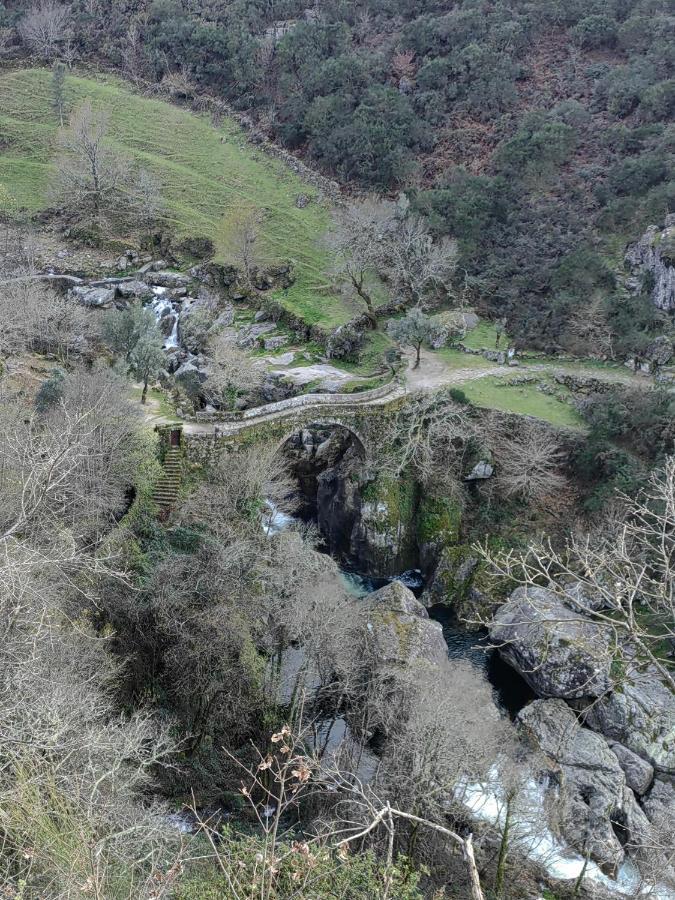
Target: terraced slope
212,177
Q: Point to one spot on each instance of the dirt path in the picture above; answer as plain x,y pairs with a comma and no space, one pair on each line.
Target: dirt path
433,373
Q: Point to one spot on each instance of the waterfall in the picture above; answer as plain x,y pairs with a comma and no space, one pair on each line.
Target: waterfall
161,306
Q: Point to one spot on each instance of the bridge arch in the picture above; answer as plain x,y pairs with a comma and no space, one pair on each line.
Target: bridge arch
320,453
325,422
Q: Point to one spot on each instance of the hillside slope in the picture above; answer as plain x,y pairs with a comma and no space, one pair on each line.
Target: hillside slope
537,132
212,179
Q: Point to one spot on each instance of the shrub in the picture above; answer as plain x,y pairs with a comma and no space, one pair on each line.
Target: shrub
594,32
50,391
458,395
199,246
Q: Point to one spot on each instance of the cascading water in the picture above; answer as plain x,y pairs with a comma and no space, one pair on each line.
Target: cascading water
531,834
162,307
533,838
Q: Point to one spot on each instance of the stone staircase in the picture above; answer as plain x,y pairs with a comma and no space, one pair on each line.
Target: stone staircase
166,490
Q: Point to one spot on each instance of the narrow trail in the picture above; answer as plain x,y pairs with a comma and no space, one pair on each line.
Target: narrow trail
433,373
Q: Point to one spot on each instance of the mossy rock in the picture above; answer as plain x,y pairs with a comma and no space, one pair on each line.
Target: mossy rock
386,541
438,521
454,575
397,495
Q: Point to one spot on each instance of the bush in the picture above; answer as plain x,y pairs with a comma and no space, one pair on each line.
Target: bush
359,876
199,246
458,395
51,391
658,102
594,32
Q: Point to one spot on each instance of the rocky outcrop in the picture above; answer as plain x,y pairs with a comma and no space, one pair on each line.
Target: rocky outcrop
384,538
98,297
659,805
558,652
653,256
660,351
595,805
168,279
639,773
640,714
399,632
319,459
134,289
251,335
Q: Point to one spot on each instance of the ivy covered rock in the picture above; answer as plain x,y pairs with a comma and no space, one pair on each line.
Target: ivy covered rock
384,538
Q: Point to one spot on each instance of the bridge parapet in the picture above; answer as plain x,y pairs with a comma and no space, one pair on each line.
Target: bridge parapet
362,415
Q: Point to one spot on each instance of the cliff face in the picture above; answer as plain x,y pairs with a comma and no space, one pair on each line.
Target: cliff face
653,256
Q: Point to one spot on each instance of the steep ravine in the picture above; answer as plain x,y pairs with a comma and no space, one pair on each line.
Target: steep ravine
380,529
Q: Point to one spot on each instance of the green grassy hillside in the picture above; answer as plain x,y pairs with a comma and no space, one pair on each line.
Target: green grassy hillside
212,177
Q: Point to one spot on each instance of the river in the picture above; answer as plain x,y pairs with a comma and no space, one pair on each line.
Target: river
532,837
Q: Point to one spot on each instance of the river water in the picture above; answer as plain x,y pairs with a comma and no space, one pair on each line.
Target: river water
532,838
511,692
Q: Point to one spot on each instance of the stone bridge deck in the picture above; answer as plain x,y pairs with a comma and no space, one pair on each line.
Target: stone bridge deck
278,420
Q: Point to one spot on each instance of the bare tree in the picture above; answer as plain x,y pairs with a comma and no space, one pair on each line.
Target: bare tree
418,268
431,437
44,27
39,319
356,239
625,576
246,250
96,183
72,768
590,330
89,173
58,90
233,374
70,467
529,464
132,50
377,242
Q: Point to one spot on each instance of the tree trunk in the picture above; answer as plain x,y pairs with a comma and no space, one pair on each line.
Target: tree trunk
367,299
503,850
476,891
144,394
418,350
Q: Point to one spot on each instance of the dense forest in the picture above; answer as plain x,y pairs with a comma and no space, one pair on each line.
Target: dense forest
539,134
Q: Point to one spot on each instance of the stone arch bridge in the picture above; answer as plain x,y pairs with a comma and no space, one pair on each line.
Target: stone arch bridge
364,415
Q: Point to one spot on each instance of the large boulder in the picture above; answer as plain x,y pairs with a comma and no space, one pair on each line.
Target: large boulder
251,335
593,793
191,370
640,714
98,297
134,290
659,805
558,652
398,630
659,351
168,279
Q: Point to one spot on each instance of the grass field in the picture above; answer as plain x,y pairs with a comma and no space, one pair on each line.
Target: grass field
483,337
212,178
524,399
